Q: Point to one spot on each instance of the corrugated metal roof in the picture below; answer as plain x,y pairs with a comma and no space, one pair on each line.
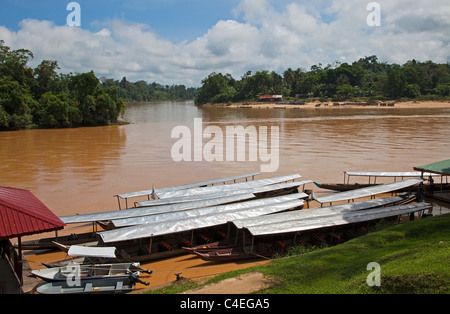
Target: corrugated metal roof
22,213
440,167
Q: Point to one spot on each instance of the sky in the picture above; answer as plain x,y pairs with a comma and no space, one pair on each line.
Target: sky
183,41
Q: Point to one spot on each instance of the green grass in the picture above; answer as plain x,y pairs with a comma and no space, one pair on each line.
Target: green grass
414,257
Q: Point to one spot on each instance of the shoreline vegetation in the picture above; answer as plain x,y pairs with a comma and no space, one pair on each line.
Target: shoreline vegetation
41,98
367,80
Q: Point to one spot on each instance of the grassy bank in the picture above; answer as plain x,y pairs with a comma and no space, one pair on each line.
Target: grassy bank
414,257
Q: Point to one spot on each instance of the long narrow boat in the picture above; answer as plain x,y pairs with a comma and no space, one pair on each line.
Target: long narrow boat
49,243
240,210
83,255
342,187
233,254
297,226
259,192
207,247
369,191
311,213
92,286
205,211
87,271
347,186
153,192
163,239
334,220
154,210
228,187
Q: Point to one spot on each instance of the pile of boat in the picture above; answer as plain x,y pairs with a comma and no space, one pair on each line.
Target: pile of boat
75,276
218,220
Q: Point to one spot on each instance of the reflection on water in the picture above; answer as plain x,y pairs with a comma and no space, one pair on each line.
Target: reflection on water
80,170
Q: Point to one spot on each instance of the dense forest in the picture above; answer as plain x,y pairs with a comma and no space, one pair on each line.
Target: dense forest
143,91
43,98
366,78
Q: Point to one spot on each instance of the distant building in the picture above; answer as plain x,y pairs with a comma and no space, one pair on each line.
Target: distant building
270,97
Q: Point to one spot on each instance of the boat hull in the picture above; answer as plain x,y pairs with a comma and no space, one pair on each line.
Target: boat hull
91,286
232,254
49,243
85,272
342,187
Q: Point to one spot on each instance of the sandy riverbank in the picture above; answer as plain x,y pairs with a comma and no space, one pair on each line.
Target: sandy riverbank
334,105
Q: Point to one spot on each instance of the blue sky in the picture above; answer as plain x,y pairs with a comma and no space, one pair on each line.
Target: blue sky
172,19
183,41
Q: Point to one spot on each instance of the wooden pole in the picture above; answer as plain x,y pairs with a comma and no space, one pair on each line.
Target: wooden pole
20,261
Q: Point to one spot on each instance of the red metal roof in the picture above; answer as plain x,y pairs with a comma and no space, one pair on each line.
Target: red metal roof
22,213
271,97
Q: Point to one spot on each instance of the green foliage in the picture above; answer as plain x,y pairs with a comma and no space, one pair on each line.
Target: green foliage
44,98
57,111
366,77
142,91
15,103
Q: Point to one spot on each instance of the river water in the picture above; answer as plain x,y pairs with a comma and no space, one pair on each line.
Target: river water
80,170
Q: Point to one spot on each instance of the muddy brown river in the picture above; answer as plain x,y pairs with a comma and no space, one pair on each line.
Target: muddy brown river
80,170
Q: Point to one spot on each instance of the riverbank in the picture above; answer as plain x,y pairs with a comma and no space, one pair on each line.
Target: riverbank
412,257
333,105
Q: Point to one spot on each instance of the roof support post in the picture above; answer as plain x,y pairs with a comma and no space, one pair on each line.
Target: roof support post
19,269
118,201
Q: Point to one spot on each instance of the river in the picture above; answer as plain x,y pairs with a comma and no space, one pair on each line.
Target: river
80,170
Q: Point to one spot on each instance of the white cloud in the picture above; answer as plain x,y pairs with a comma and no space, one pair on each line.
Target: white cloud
264,35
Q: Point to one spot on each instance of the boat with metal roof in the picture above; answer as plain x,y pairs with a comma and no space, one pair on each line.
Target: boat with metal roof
372,177
153,192
288,230
368,191
219,216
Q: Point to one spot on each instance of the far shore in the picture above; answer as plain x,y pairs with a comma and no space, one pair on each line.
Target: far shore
332,105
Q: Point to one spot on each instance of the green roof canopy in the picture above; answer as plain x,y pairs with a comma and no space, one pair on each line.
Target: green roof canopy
440,167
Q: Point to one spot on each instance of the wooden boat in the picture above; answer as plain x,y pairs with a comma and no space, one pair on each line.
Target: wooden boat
371,191
207,247
96,255
342,187
49,243
92,286
233,254
87,271
372,180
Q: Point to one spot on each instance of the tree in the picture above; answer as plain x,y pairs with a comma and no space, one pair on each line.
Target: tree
46,78
396,84
14,64
83,85
346,91
56,111
214,85
412,91
16,103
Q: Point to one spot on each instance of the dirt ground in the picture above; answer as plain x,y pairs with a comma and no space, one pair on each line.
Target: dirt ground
242,284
